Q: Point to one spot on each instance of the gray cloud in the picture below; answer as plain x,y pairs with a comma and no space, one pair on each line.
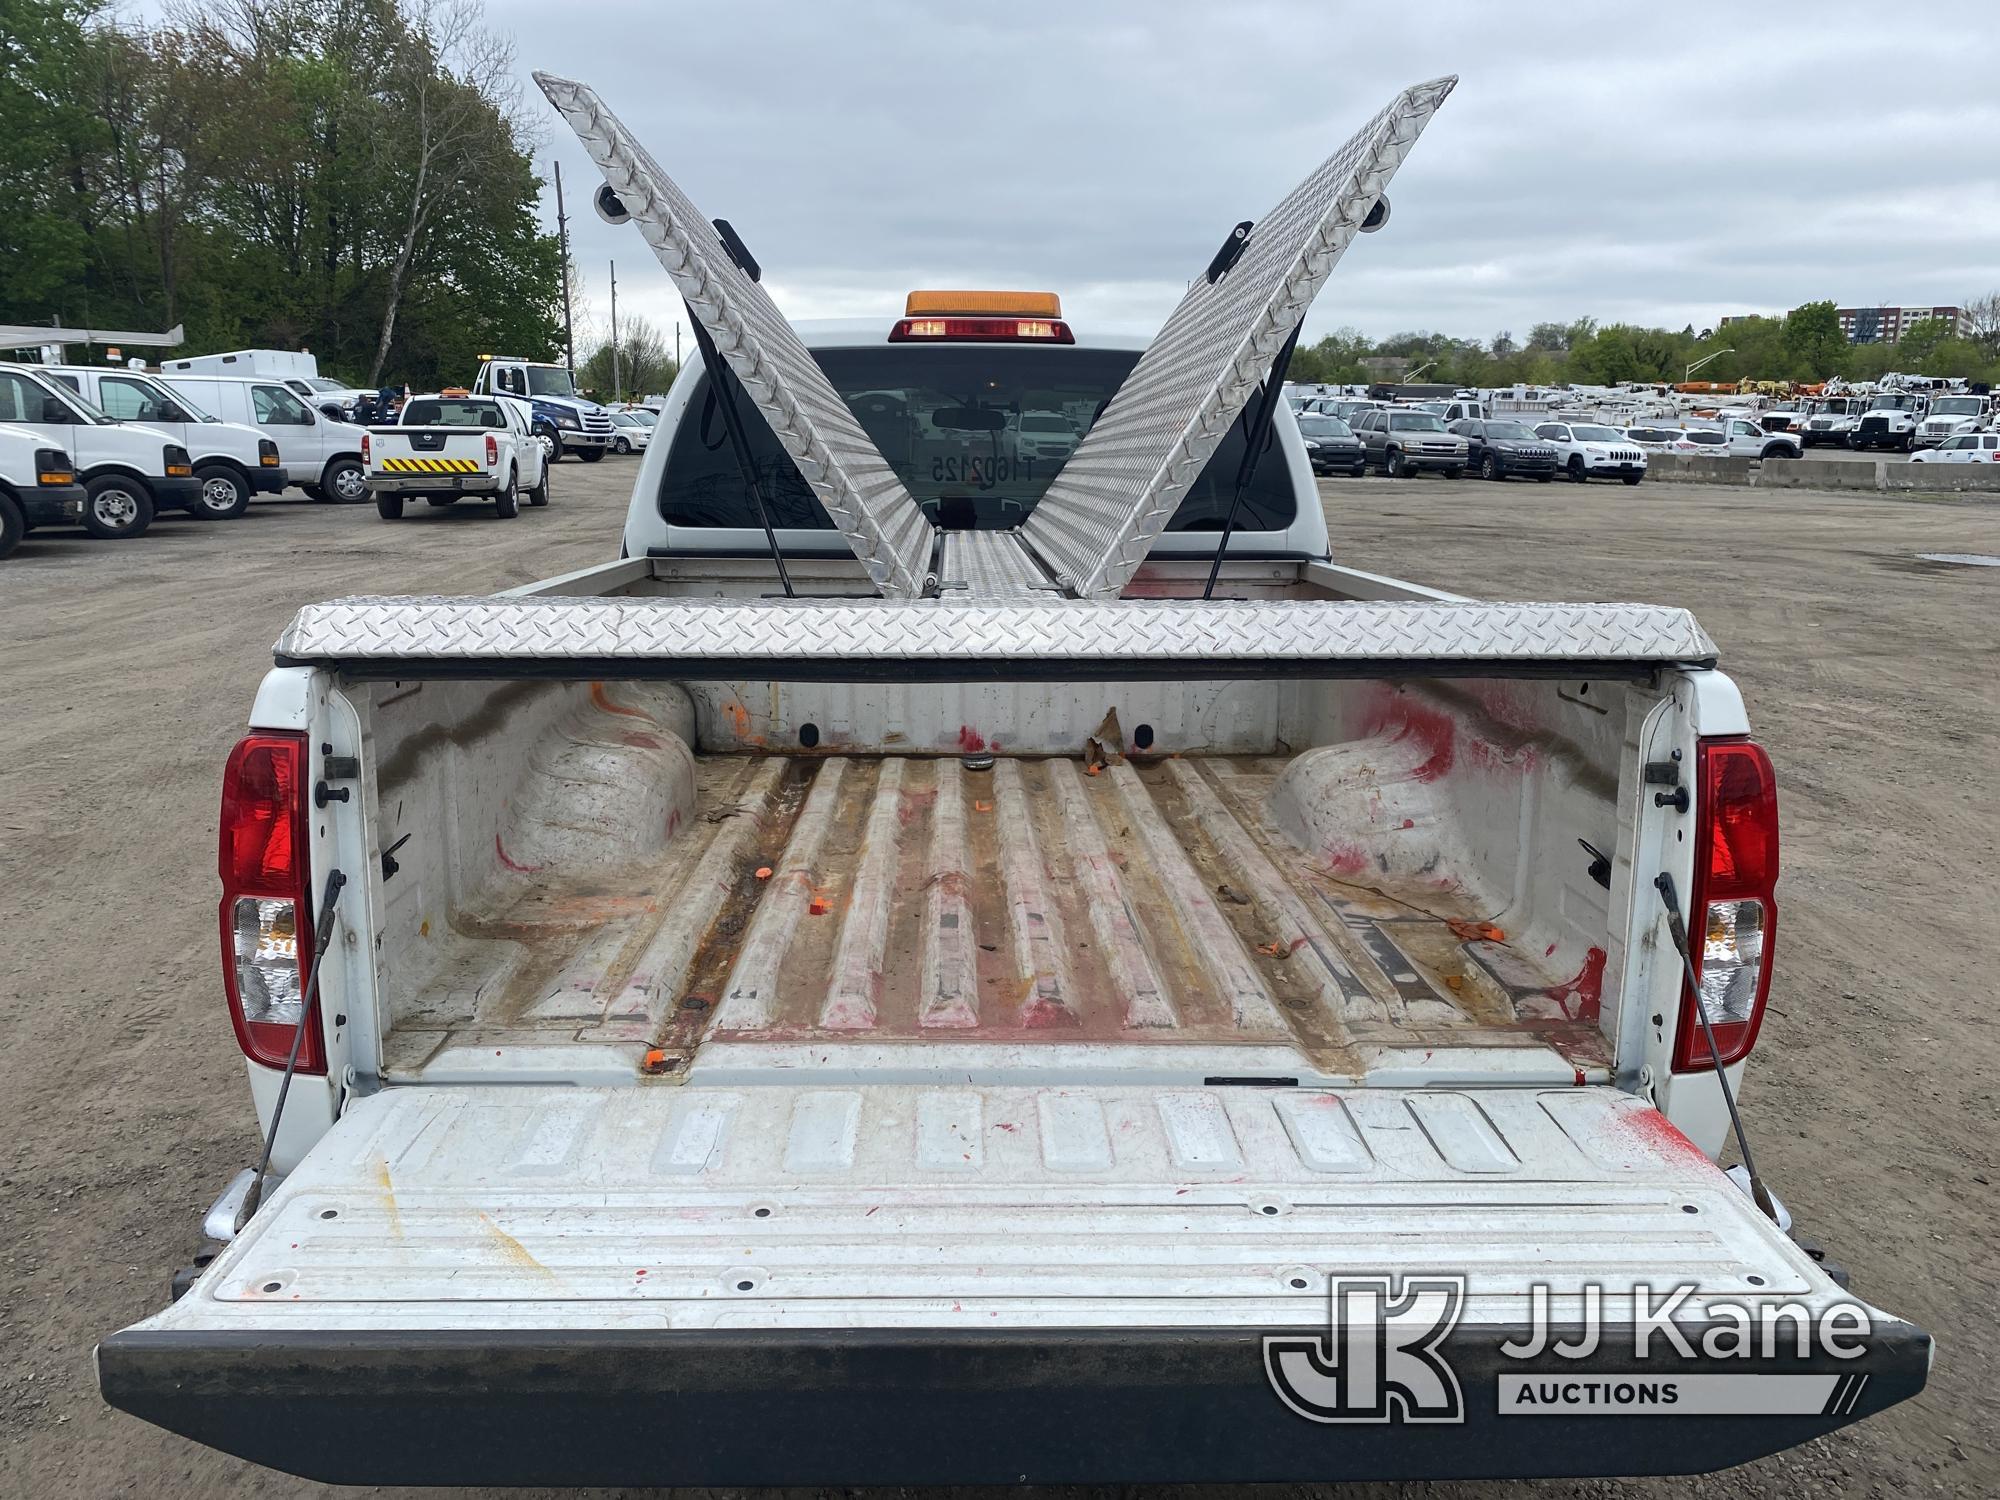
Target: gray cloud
1665,168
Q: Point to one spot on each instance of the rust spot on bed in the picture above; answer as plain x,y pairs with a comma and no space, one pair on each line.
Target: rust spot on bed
602,700
515,1252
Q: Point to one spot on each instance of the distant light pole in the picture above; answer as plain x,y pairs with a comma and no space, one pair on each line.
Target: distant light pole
1688,373
615,386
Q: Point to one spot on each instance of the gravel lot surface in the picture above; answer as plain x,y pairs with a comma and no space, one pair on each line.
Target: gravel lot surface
1871,677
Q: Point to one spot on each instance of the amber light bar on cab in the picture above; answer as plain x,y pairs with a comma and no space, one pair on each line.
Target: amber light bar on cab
982,317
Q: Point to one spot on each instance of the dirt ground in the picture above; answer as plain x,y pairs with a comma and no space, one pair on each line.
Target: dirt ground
128,670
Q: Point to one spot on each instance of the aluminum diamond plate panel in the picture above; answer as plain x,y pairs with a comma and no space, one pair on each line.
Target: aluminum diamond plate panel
877,630
881,521
1120,487
989,567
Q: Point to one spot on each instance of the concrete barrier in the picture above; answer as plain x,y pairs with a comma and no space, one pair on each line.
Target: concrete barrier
1877,476
1823,474
1682,470
1976,479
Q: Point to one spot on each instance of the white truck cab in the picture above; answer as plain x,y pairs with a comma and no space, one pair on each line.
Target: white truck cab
38,486
318,455
563,419
232,460
690,498
1950,414
1890,420
129,473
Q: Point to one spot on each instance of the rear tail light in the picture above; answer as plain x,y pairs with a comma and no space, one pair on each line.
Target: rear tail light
982,330
1734,913
52,466
267,453
492,450
176,462
266,912
364,447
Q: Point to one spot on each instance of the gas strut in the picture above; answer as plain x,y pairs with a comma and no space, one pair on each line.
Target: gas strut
1255,436
322,936
722,382
1677,926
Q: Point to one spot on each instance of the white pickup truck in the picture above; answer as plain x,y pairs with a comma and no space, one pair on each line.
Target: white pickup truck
456,446
927,972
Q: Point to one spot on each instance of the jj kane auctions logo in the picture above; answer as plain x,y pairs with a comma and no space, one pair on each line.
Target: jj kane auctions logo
1382,1359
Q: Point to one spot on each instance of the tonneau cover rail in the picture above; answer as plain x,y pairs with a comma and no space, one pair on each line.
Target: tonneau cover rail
677,636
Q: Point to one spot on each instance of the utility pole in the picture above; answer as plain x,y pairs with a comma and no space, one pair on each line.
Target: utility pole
562,235
616,386
677,345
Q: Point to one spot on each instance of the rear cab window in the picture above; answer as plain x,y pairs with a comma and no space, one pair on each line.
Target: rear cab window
436,411
979,429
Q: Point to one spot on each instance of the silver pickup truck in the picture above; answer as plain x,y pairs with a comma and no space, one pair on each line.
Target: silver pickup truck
927,970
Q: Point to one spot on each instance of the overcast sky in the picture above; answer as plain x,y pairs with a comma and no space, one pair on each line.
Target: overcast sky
1665,171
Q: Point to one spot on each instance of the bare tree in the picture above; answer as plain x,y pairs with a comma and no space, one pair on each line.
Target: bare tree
454,91
1982,316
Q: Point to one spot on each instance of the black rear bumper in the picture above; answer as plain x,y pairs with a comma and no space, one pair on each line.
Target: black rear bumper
919,1407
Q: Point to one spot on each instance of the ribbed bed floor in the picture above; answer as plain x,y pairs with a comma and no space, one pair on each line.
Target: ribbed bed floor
1033,901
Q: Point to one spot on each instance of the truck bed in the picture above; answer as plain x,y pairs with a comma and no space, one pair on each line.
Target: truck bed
1020,901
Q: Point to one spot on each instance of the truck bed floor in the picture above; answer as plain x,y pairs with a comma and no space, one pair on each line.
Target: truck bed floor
1033,902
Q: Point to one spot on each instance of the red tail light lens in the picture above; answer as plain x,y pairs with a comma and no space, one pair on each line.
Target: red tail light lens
1734,913
364,447
982,330
266,911
492,450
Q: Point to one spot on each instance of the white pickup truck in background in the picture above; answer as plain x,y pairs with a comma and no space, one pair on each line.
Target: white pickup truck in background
921,973
456,446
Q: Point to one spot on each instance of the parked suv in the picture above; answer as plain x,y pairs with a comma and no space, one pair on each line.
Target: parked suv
1502,450
1401,442
1589,451
1331,446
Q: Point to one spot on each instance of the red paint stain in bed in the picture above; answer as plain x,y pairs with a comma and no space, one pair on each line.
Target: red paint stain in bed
1586,989
1657,1133
970,740
500,850
1344,858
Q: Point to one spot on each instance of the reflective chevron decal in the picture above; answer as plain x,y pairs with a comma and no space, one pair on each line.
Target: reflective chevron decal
431,466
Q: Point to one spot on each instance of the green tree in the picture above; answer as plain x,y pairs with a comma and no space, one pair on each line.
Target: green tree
1922,340
1814,341
47,133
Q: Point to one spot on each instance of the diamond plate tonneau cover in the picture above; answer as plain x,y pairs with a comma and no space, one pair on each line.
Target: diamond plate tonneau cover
881,521
551,629
1120,487
823,1204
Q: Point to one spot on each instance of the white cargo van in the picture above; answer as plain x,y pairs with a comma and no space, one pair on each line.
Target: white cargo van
319,455
129,473
38,486
232,460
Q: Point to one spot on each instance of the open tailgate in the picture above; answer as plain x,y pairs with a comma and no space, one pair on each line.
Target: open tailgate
872,1284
